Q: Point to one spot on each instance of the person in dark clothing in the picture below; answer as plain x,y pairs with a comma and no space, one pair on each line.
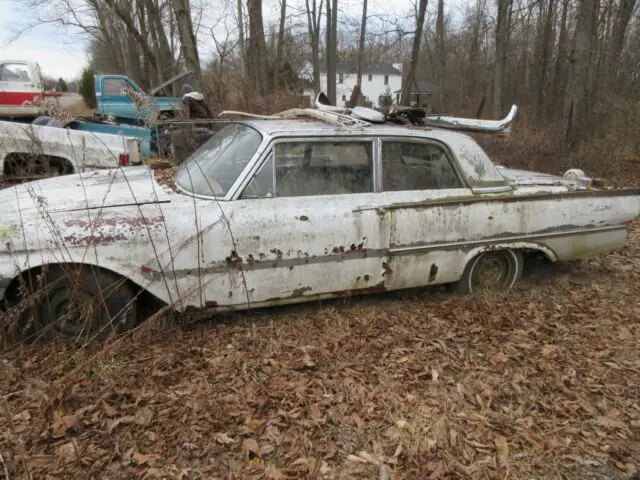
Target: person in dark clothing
193,103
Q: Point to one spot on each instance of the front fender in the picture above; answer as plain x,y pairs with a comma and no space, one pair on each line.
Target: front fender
164,288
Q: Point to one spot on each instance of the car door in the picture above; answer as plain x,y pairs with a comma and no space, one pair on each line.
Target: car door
303,225
421,182
114,100
20,89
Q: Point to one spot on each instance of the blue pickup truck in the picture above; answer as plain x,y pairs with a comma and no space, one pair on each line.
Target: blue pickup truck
113,101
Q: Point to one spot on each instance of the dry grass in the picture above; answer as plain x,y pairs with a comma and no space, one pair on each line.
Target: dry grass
540,382
80,109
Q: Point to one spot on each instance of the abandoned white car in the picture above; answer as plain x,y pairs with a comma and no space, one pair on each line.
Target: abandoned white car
275,211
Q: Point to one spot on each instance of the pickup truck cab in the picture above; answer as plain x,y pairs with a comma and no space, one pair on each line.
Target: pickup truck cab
112,99
21,89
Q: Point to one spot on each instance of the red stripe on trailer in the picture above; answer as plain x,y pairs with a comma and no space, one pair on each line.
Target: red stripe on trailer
19,98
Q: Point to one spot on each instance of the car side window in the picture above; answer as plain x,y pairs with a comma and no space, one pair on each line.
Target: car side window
302,169
416,166
323,168
261,185
14,72
113,87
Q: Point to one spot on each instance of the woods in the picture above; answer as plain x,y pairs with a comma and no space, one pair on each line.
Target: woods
566,63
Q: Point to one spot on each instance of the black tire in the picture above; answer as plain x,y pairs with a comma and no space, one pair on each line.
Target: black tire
80,303
508,270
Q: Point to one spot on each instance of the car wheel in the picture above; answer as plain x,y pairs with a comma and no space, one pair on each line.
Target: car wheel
490,271
78,303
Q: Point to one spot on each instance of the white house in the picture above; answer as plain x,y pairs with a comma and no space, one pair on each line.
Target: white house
376,78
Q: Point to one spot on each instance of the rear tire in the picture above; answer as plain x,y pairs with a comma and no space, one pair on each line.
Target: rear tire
491,271
77,302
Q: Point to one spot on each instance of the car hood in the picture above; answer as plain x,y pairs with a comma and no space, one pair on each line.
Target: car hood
91,190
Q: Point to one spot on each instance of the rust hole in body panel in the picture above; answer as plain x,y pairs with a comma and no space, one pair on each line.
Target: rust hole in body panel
433,271
234,260
366,277
386,269
303,218
211,304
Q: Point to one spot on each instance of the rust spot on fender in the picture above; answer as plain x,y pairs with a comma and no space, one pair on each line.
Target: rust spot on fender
211,304
97,239
298,292
303,218
115,221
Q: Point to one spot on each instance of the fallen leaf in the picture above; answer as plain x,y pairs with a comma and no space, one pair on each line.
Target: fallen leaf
223,438
108,410
250,445
142,459
266,449
23,416
144,416
111,425
502,449
66,453
62,423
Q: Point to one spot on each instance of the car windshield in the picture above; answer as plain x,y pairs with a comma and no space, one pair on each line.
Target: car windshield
216,165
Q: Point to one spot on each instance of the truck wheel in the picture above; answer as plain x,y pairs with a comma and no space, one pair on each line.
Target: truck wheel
490,271
78,302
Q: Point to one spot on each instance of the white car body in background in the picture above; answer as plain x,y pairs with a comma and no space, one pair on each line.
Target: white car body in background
79,151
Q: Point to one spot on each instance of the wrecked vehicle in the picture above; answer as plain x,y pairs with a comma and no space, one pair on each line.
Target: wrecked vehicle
300,206
112,99
22,89
34,150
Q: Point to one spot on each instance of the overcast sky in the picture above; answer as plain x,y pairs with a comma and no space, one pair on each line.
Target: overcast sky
60,51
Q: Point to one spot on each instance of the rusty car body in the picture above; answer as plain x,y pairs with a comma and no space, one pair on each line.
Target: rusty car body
277,211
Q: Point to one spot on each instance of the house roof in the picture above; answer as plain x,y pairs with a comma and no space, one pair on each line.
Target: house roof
380,68
424,86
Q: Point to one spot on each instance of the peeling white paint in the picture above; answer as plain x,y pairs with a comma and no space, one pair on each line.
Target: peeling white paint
230,253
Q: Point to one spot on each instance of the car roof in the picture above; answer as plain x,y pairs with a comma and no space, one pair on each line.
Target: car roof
312,128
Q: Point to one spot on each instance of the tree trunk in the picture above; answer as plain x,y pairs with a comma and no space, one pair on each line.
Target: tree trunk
355,95
558,71
441,59
241,41
410,80
283,16
502,38
161,43
543,58
313,24
331,49
623,17
188,40
257,67
576,111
